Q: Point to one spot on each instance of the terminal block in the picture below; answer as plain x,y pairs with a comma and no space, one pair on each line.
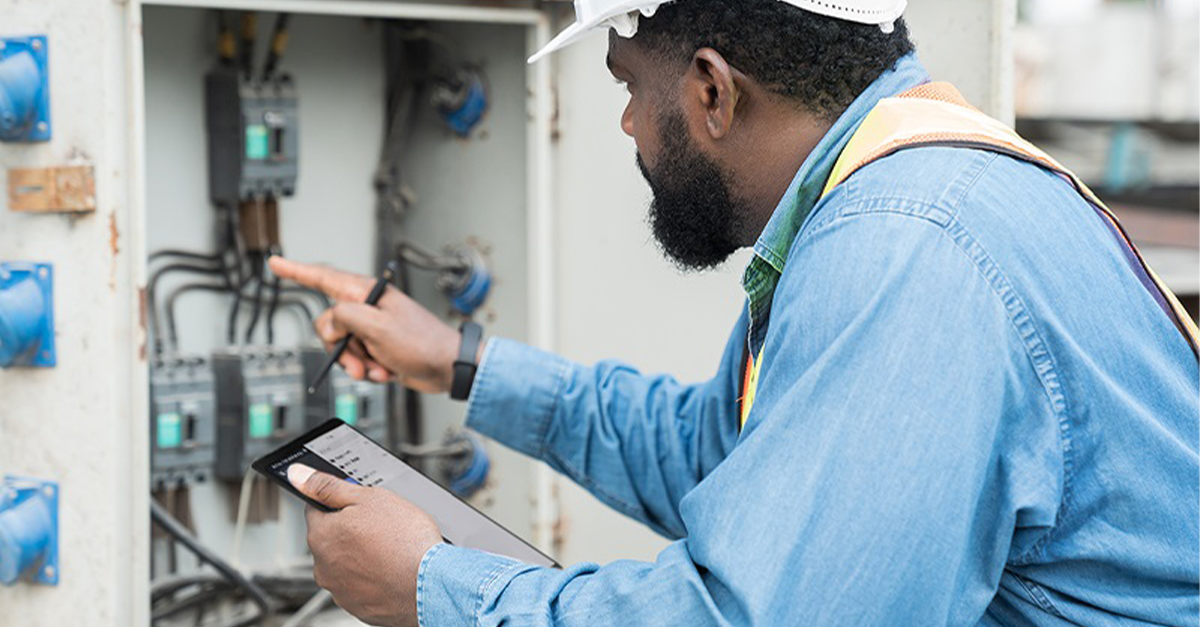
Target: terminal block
183,429
260,404
359,403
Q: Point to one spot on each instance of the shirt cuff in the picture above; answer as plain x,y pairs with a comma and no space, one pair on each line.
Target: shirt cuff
453,584
515,395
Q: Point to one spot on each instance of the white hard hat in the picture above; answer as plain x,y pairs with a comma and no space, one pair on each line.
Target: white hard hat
622,16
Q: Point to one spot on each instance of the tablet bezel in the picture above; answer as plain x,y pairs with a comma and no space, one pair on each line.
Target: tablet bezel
263,464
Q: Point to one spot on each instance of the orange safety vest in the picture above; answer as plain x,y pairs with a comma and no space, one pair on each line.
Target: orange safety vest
936,114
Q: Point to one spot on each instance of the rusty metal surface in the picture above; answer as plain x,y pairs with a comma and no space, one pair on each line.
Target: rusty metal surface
54,189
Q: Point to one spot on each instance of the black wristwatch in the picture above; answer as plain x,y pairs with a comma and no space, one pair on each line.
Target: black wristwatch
465,366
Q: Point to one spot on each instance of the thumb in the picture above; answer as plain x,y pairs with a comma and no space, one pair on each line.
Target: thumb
325,488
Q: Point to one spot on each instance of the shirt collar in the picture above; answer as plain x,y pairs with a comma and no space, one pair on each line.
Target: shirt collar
805,189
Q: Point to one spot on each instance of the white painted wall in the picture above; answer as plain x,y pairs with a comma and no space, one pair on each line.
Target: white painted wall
72,423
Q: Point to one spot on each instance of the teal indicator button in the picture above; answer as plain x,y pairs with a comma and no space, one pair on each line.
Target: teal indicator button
257,143
345,406
170,430
262,423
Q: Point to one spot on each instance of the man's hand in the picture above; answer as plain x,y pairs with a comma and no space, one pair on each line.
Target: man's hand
396,338
367,553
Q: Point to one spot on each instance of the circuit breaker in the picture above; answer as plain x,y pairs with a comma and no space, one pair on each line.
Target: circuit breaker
183,426
359,403
260,404
253,136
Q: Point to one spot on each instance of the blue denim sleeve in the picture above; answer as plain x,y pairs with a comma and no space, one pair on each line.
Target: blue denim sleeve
637,442
901,450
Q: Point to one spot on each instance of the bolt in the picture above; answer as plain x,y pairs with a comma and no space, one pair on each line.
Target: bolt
43,127
48,490
36,45
46,355
49,572
43,273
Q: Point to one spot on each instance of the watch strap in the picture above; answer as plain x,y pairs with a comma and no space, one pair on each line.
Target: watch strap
466,366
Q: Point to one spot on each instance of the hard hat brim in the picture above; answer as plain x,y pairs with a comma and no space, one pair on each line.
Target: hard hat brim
568,36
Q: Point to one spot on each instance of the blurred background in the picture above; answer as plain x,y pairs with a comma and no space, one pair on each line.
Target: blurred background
1111,88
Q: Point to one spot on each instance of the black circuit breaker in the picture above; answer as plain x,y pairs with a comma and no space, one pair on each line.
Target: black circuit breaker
183,428
359,403
253,136
260,404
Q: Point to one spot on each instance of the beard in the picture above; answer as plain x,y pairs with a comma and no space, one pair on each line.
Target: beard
693,215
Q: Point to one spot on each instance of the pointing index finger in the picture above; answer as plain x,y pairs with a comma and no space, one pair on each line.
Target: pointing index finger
338,285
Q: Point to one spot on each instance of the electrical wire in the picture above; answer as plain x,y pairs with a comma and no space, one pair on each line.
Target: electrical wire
279,40
310,609
152,319
172,336
260,284
184,254
276,284
168,523
234,242
421,258
249,35
243,514
226,42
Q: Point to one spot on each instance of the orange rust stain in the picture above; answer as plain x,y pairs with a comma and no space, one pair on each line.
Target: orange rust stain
114,235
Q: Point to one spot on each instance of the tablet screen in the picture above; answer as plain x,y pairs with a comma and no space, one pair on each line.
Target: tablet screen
340,450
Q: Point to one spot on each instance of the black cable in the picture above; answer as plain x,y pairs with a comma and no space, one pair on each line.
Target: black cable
249,35
274,304
256,309
207,593
184,254
226,42
152,318
234,244
174,296
168,523
277,46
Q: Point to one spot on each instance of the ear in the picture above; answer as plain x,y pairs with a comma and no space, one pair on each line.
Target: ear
713,86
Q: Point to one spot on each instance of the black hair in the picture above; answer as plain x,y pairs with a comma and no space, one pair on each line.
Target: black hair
822,63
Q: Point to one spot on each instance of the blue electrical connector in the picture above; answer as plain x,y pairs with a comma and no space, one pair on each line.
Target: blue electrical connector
26,314
462,100
24,89
28,531
470,473
473,291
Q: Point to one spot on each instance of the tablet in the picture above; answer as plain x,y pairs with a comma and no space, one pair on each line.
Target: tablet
344,452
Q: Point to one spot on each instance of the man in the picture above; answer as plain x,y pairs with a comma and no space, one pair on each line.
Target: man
951,399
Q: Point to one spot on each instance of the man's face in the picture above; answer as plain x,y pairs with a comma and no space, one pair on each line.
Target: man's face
693,214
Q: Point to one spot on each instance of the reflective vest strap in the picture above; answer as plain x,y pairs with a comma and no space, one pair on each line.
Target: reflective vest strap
936,114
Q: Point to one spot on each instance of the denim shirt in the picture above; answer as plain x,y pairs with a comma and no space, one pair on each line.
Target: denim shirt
970,413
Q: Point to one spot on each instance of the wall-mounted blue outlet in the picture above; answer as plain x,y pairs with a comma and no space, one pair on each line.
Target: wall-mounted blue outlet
28,531
26,314
24,89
